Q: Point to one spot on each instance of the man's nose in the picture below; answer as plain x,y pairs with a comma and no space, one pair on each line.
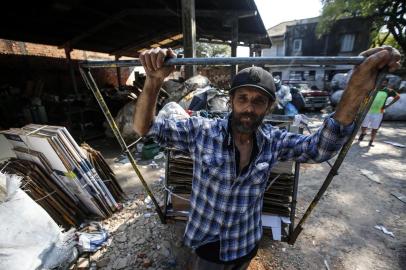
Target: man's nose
250,107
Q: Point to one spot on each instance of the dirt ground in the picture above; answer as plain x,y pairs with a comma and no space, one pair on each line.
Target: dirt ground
340,233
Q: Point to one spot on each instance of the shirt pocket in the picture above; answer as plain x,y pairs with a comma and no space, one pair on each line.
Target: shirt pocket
251,192
259,173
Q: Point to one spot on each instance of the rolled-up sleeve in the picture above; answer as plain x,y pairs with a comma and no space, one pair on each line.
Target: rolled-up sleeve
175,133
317,147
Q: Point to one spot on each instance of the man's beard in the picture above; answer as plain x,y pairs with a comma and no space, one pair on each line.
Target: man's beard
246,126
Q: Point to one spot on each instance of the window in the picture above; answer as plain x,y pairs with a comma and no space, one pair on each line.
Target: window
280,50
296,76
297,45
309,75
347,43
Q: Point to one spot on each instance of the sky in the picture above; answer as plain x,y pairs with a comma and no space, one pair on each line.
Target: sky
274,12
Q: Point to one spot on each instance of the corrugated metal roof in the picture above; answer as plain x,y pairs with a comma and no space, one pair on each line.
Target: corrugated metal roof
124,27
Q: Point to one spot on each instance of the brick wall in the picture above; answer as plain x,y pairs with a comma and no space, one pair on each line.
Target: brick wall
219,76
26,48
22,61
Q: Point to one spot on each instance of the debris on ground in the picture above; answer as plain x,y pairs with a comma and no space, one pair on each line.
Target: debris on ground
326,264
395,144
92,237
138,240
400,196
384,230
371,176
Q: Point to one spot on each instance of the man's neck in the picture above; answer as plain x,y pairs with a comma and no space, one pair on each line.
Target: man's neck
241,138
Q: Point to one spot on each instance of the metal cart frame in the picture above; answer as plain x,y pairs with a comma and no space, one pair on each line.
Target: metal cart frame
86,67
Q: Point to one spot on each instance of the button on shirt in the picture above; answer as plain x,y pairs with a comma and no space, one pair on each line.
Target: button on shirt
226,206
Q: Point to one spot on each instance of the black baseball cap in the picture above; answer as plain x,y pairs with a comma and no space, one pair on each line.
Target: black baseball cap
255,77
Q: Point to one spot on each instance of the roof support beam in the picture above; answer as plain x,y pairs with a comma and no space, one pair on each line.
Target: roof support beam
118,73
71,69
189,34
234,45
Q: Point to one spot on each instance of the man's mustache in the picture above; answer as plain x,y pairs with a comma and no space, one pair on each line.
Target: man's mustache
250,115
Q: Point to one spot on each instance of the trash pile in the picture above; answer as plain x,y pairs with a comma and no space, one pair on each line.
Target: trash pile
58,174
124,117
177,90
197,94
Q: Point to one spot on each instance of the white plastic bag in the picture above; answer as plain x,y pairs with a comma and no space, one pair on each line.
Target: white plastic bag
29,236
172,110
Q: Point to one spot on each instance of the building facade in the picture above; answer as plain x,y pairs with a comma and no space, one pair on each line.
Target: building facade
347,37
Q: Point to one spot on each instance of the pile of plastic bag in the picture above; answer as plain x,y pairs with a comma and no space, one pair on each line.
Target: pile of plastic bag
397,111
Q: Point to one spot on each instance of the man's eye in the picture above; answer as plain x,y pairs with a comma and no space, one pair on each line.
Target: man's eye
260,102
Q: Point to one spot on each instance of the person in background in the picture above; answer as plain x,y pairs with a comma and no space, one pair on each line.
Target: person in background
374,117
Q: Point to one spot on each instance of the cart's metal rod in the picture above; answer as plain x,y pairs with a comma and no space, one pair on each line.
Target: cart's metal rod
363,110
91,84
286,60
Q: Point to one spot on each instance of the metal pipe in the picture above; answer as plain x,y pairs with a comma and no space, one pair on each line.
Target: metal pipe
91,84
363,110
286,60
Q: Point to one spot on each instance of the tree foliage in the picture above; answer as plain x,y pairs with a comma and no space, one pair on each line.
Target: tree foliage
212,50
387,16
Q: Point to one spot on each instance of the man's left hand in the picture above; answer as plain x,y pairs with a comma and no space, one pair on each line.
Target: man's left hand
364,75
363,80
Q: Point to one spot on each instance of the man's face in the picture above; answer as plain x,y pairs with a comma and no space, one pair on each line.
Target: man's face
384,83
249,107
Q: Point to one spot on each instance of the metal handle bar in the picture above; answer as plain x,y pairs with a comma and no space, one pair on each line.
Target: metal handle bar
285,60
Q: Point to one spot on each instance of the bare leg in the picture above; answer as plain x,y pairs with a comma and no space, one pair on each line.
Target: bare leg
363,133
373,135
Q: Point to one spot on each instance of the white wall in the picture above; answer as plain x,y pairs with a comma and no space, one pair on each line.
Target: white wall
277,49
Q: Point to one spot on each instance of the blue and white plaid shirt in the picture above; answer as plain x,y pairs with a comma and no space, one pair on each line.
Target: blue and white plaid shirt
227,207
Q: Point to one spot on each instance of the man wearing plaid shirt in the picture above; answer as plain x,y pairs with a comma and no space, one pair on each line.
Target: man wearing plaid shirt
233,157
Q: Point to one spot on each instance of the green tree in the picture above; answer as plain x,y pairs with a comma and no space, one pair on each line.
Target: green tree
387,16
212,50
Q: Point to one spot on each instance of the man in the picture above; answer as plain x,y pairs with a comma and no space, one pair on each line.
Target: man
284,97
233,156
374,117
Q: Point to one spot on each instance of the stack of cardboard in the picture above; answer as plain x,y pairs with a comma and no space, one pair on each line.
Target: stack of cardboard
41,186
104,171
66,165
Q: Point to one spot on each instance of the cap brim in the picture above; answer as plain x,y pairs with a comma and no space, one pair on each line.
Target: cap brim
271,95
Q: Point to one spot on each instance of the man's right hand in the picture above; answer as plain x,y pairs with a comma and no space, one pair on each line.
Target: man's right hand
152,61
